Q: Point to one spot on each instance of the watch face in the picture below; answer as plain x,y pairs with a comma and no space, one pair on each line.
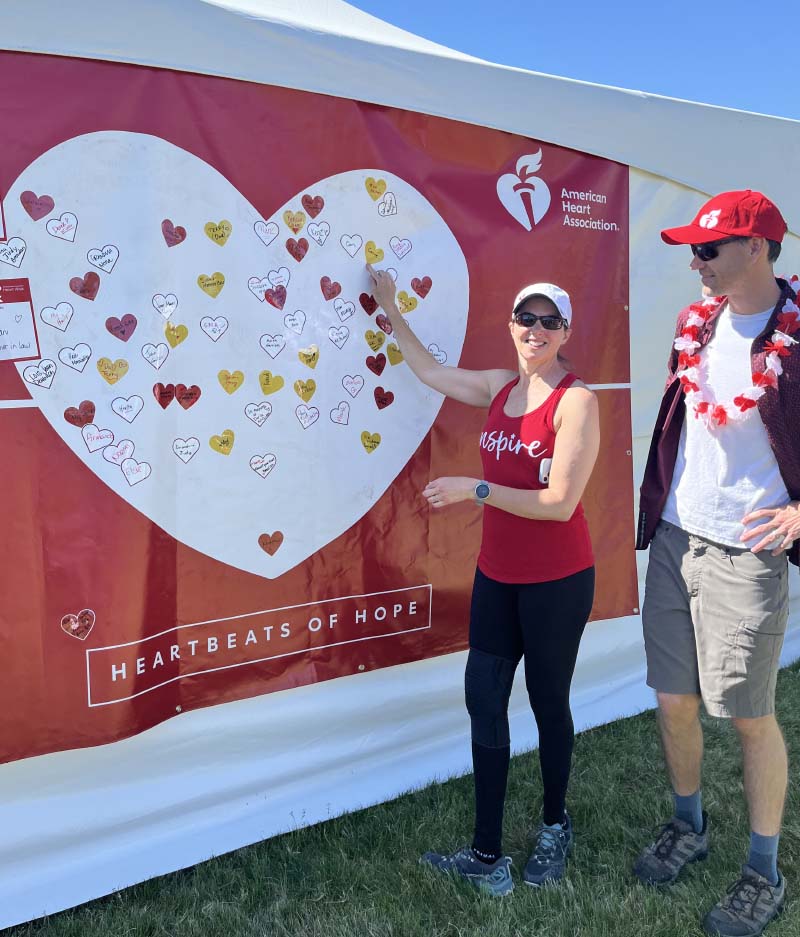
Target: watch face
482,490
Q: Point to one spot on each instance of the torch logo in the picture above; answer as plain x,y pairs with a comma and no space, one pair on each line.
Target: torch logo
523,196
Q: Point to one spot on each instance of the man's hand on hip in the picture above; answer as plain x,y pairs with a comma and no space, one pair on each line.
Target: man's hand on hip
779,530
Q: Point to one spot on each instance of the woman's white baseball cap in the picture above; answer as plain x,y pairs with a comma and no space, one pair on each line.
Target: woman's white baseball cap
557,296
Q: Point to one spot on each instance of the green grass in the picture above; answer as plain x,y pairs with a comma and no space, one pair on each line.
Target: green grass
358,876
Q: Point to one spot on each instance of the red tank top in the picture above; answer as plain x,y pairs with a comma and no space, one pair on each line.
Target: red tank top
517,451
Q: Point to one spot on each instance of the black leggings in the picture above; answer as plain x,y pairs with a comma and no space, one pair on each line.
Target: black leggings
542,622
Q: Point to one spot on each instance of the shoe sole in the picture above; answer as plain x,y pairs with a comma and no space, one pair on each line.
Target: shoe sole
663,883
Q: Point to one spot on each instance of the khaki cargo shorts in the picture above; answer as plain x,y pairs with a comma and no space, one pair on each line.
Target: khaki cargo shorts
714,619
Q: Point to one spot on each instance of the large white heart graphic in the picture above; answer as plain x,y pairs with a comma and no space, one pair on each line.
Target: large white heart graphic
247,413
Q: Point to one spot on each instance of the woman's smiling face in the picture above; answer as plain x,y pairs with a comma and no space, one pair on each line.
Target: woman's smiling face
536,343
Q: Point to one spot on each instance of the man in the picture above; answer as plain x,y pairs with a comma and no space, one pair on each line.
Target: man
720,502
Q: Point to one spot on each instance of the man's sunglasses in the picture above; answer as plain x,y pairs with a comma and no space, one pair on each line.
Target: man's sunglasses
710,251
527,320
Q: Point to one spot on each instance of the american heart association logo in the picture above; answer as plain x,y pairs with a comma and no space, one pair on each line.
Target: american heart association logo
525,197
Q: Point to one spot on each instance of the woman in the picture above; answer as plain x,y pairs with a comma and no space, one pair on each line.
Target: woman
534,583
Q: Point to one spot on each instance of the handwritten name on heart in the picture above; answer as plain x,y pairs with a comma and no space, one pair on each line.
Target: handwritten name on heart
263,464
211,284
173,235
37,206
313,204
230,382
353,384
104,258
405,302
295,321
437,352
375,340
86,286
134,471
276,297
175,334
341,413
127,408
422,286
112,371
78,626
81,415
122,328
370,441
164,394
305,389
118,453
273,345
400,247
280,277
344,310
394,354
383,398
258,413
376,364
96,438
330,288
298,249
218,232
223,444
319,232
59,317
309,356
294,221
64,227
186,449
373,254
270,383
214,328
187,397
271,543
388,205
165,305
351,243
339,335
155,355
375,187
13,251
77,357
266,232
306,415
41,374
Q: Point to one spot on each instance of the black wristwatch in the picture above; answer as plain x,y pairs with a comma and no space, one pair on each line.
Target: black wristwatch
482,492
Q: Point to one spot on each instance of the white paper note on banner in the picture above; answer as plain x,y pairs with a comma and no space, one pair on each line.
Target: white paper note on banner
18,340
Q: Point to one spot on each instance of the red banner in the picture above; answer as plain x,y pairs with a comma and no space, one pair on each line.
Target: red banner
220,442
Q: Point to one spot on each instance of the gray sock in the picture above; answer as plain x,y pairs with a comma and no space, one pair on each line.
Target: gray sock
690,809
763,856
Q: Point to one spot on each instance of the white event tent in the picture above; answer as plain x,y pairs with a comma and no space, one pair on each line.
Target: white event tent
80,824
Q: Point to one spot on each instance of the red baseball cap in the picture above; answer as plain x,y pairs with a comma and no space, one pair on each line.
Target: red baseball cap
731,214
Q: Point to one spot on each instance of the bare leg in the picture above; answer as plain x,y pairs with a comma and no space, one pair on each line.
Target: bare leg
766,772
682,739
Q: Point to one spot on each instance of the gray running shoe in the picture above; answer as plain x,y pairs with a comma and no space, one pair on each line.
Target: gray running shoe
548,861
675,847
491,877
747,906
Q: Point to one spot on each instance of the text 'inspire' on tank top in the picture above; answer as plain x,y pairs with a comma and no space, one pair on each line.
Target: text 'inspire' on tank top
517,451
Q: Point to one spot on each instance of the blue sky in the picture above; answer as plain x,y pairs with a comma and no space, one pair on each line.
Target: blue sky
738,54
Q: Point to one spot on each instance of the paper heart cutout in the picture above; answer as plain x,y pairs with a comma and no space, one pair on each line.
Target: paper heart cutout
59,316
112,371
86,286
211,284
298,249
218,232
164,394
78,626
64,228
368,303
383,323
104,258
230,382
422,286
270,543
37,206
383,398
393,353
305,390
313,204
13,251
373,254
294,220
375,187
122,328
406,303
323,467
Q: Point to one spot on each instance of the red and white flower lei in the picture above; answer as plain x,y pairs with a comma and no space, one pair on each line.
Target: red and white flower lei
715,414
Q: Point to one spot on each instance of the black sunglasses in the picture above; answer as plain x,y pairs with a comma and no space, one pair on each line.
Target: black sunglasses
710,251
527,320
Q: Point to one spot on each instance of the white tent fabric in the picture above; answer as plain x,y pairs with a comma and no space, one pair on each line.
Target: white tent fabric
100,814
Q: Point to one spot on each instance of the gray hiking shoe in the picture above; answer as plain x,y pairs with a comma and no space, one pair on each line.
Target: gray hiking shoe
491,877
747,906
548,861
675,847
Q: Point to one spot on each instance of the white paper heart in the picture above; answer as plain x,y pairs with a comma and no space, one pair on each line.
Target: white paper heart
64,227
319,232
59,317
104,258
13,251
214,328
295,321
263,464
75,358
339,336
351,243
96,438
322,468
400,246
118,453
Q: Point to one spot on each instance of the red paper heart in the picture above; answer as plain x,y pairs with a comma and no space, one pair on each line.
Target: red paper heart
81,415
270,543
376,363
422,287
276,297
86,286
383,397
37,206
78,626
313,205
164,394
368,303
172,235
122,328
383,322
187,396
298,249
330,288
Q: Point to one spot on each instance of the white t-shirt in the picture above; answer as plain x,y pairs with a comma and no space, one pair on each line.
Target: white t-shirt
725,472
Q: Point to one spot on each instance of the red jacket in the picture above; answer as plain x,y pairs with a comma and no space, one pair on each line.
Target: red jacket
779,409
